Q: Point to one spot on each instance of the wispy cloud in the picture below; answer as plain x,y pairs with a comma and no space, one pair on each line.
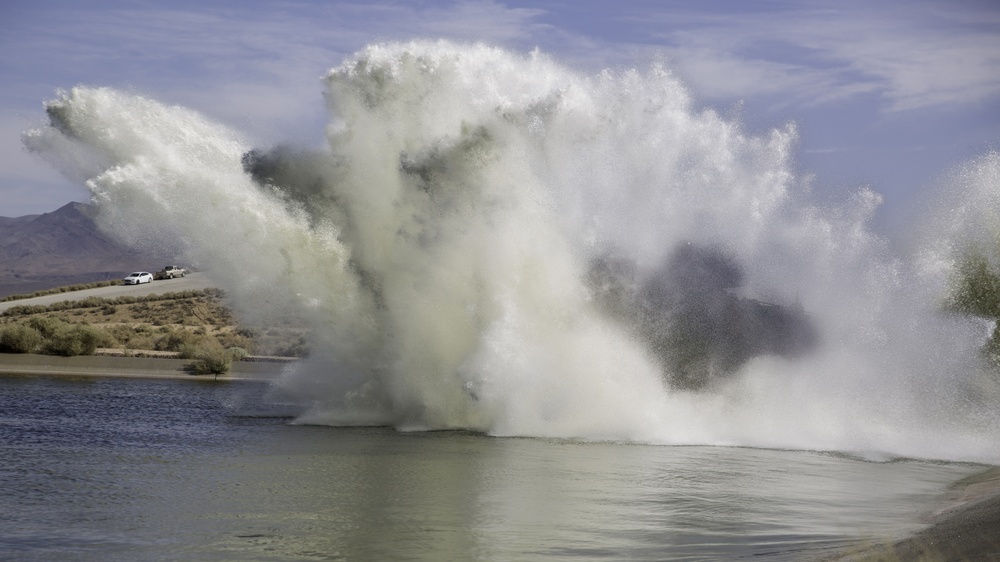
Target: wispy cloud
913,55
221,59
257,64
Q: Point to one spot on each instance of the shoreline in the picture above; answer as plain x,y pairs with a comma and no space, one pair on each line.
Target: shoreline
965,526
139,366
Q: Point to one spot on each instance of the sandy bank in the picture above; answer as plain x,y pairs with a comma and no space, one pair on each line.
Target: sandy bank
139,367
966,528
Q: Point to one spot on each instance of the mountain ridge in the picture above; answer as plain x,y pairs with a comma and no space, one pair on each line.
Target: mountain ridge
63,247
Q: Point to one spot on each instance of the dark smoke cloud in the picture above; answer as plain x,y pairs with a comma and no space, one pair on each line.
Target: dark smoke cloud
688,315
304,177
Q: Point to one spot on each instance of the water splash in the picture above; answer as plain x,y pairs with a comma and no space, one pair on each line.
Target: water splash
441,250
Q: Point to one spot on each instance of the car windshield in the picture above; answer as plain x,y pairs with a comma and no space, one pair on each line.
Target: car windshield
135,275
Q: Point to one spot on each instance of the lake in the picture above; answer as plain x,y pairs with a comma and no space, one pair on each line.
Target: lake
116,469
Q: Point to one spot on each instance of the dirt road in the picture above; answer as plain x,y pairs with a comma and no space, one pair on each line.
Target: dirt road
192,281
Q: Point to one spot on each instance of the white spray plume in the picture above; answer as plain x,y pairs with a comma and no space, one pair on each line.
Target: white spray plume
438,249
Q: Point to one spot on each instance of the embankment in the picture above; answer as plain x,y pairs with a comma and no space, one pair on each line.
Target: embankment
139,367
966,528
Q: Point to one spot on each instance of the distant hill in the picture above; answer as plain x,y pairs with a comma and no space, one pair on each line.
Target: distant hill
62,248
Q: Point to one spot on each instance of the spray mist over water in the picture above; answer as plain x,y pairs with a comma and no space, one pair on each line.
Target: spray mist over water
442,250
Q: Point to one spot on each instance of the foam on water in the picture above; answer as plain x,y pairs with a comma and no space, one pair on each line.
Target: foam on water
438,249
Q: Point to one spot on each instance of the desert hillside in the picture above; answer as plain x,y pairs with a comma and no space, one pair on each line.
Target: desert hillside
173,322
62,248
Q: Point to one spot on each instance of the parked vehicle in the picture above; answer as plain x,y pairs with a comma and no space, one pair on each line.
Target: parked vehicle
138,277
170,272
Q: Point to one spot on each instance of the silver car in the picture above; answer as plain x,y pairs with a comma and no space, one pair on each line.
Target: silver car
137,277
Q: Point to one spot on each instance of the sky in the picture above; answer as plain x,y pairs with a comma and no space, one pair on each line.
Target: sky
889,95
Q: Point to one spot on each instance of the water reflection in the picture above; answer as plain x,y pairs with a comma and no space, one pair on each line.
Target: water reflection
376,494
140,470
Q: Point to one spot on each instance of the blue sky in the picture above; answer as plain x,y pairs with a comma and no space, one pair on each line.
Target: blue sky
889,95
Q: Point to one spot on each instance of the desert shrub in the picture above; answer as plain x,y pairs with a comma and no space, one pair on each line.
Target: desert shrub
76,339
233,339
25,310
89,302
53,336
187,351
286,344
60,306
47,326
125,336
19,338
238,353
177,340
120,332
190,349
296,349
214,292
141,341
211,359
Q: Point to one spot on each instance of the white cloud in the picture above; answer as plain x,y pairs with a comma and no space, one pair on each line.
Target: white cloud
913,55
